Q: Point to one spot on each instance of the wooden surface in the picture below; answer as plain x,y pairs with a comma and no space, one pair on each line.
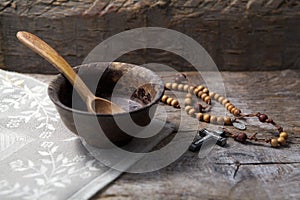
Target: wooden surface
237,171
239,35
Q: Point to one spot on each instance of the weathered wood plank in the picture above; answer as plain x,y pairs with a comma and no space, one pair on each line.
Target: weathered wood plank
239,35
237,171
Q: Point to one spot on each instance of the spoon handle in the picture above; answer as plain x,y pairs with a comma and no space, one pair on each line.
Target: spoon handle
47,52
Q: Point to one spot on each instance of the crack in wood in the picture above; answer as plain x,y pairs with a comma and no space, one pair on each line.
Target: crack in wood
238,164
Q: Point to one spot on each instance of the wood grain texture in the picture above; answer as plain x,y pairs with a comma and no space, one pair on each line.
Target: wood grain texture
237,171
239,35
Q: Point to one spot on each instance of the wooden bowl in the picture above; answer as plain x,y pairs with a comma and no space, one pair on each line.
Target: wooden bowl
136,89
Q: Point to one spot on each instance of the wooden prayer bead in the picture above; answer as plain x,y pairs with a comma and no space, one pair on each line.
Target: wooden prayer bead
174,86
220,120
230,107
187,108
192,112
169,100
274,142
200,87
220,99
207,99
180,87
284,135
206,118
227,105
281,140
168,85
236,112
224,102
213,119
196,91
227,120
199,94
199,116
233,110
191,88
186,88
188,95
174,103
205,90
212,94
203,96
164,98
188,101
216,96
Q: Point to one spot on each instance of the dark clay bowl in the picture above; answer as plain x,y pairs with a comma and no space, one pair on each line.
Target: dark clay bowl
137,89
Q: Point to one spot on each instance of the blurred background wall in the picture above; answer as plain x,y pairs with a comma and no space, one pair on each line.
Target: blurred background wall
238,34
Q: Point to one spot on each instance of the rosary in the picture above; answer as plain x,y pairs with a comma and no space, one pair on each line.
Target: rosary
196,110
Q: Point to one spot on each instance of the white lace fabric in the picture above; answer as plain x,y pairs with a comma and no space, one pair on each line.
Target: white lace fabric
39,157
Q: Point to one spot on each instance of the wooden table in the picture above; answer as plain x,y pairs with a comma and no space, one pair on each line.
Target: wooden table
237,171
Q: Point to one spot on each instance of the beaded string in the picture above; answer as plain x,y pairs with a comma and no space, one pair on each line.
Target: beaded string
198,111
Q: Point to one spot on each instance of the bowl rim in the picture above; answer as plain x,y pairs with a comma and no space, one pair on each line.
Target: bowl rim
54,96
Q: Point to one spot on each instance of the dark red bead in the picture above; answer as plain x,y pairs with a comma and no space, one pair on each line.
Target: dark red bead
241,137
269,120
262,117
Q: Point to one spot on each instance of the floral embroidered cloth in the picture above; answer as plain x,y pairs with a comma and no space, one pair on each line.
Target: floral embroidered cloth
39,157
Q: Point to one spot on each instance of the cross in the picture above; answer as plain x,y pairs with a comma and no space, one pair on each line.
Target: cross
206,136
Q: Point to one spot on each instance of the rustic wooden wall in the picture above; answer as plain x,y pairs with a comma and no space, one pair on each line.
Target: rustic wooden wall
239,35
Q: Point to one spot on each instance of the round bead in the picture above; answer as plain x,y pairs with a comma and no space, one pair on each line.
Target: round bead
196,91
230,107
206,118
207,99
164,98
187,108
213,119
169,100
199,94
269,120
241,137
227,105
281,140
262,117
203,95
191,88
237,112
174,102
220,99
227,120
174,86
180,87
284,135
225,101
188,95
188,101
274,142
232,110
212,94
186,88
216,96
192,112
168,85
220,120
205,90
200,87
199,116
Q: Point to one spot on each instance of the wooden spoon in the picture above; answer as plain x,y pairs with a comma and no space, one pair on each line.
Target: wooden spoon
94,104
